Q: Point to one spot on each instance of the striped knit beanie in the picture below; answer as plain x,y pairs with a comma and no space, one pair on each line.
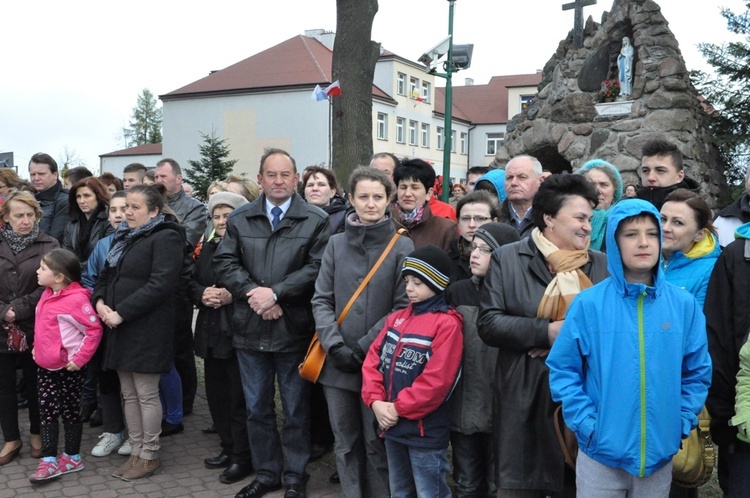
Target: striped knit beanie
497,234
431,265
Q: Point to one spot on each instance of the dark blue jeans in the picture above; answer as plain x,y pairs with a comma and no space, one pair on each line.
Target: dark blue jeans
258,372
170,394
417,472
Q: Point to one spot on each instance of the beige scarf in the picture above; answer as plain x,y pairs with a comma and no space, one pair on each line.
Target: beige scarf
569,279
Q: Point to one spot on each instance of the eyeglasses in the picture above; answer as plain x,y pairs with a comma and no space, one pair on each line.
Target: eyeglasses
477,219
481,249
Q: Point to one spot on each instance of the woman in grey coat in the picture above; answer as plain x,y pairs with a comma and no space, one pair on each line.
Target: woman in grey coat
349,256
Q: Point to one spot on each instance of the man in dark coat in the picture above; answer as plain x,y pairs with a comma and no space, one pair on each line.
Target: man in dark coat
52,197
192,215
662,172
269,259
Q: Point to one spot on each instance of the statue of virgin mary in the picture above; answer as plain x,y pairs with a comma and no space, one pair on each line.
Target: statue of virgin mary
625,67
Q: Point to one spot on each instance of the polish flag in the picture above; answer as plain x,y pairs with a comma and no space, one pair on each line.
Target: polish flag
333,89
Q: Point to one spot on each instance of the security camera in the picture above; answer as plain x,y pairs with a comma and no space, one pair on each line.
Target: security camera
439,50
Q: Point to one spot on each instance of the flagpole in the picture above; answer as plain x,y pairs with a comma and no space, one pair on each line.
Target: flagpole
330,133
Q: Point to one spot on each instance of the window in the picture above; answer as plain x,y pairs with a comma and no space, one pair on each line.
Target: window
400,132
453,141
412,132
401,84
494,141
462,143
382,126
440,138
525,101
426,91
425,135
414,87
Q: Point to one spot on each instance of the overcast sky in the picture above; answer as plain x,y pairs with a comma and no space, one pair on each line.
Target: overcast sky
71,71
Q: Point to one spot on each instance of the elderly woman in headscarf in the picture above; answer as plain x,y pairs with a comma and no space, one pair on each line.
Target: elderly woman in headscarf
607,181
213,343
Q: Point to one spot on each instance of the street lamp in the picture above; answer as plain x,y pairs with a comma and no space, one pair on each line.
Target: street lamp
458,57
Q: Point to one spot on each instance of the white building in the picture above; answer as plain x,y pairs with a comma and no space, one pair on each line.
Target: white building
115,162
265,101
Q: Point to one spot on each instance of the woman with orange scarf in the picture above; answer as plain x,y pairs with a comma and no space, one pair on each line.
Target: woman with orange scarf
527,290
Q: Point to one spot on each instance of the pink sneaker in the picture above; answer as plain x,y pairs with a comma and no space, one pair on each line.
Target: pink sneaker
66,465
45,472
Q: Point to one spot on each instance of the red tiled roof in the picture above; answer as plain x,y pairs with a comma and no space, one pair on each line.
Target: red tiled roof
485,104
140,150
297,62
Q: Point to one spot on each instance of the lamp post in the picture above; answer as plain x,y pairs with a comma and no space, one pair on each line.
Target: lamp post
448,124
457,57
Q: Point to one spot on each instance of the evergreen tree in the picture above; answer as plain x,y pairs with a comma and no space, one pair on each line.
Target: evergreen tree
727,92
145,121
212,165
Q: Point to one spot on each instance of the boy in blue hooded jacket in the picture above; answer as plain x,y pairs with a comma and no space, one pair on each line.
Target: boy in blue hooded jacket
631,364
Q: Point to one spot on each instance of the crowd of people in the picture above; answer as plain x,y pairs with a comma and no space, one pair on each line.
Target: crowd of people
465,324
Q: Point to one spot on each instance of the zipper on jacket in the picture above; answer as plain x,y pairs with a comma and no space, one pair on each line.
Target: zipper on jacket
642,358
396,351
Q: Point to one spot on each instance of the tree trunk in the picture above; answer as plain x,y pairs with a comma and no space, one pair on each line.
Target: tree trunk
354,58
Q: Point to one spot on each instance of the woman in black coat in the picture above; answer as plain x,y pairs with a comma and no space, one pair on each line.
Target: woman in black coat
213,343
134,296
522,308
88,204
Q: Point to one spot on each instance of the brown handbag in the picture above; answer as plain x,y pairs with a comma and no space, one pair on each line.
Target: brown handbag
315,357
566,438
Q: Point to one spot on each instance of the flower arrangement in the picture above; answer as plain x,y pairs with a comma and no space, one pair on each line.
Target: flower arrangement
610,90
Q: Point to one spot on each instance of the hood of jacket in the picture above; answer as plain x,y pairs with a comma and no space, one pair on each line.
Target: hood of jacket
743,232
497,178
619,212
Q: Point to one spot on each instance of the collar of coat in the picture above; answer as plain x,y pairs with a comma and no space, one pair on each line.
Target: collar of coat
298,209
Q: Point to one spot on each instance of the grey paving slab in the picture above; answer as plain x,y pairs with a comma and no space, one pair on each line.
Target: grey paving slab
182,473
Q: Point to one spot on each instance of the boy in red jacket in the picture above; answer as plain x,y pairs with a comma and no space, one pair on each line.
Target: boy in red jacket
409,374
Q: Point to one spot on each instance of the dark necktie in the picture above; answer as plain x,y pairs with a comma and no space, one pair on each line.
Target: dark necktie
276,212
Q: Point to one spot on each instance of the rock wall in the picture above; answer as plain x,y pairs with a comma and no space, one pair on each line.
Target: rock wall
561,126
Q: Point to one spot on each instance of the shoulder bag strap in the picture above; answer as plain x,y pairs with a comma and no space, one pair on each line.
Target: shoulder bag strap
364,283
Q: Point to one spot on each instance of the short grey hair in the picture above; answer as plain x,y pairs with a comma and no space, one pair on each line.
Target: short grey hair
536,165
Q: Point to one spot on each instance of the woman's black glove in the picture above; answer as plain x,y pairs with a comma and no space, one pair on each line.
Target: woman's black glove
344,358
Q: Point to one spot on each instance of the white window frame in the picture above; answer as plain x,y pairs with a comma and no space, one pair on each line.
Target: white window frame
462,142
413,87
453,141
401,83
494,141
426,90
440,138
400,130
382,126
425,134
413,135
